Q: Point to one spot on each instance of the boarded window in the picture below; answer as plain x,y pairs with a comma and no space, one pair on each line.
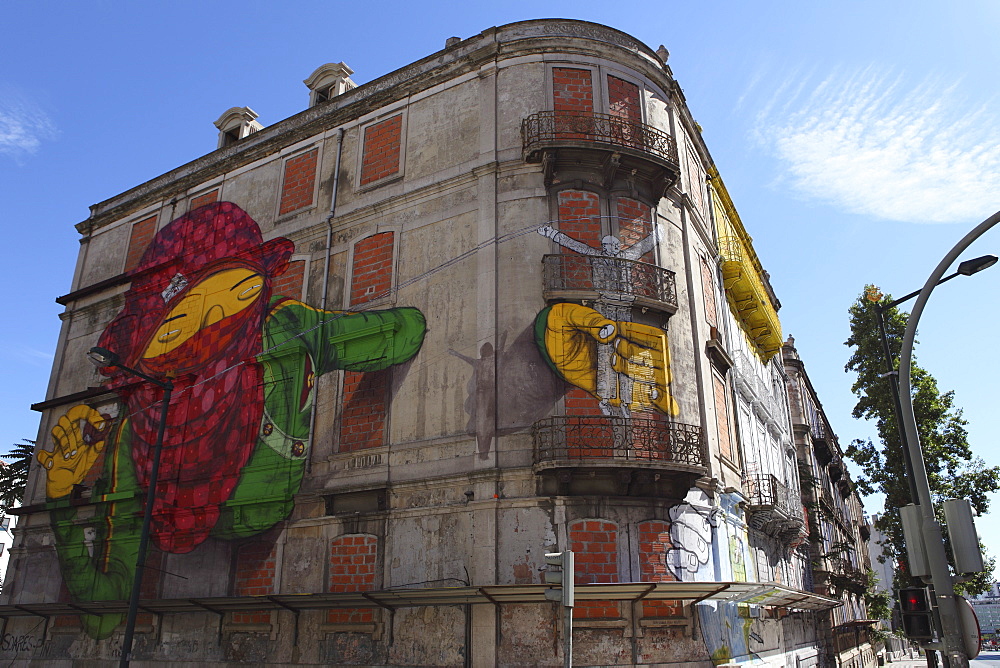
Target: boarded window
381,156
298,185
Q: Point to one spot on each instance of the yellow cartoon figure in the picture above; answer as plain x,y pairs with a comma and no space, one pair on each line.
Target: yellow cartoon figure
625,365
73,455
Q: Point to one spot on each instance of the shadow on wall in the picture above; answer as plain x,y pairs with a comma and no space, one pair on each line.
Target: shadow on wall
530,389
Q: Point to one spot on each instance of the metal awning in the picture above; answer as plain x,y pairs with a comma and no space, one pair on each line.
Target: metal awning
759,593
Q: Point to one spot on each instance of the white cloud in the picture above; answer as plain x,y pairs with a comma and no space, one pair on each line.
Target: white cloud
23,125
866,142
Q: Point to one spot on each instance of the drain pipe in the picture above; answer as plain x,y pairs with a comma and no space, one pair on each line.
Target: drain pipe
326,273
329,218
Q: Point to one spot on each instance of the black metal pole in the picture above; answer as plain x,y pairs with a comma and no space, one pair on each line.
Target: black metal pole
147,516
893,377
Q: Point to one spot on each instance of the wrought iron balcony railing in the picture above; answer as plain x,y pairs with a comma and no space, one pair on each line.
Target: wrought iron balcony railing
603,439
609,276
818,430
773,506
547,128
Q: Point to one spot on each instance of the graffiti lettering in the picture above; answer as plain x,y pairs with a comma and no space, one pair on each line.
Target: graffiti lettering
22,643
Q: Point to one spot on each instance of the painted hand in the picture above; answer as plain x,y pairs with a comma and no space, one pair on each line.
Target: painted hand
641,356
570,334
76,450
638,370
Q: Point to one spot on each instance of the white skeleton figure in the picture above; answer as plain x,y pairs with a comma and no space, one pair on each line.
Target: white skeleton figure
612,277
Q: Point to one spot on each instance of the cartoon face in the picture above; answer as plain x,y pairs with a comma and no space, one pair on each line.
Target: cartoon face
217,297
611,245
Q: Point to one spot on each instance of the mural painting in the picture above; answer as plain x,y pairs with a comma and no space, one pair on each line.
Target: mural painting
712,544
625,365
200,311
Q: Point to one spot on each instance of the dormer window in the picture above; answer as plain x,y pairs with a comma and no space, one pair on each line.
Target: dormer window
329,81
235,124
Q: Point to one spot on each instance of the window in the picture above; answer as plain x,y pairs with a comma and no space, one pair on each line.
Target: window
381,150
298,184
235,124
328,81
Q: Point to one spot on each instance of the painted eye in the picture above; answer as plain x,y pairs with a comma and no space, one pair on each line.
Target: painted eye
250,292
167,337
73,454
48,464
65,455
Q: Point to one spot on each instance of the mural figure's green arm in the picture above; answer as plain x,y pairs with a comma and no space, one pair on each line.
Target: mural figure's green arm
300,343
102,567
353,341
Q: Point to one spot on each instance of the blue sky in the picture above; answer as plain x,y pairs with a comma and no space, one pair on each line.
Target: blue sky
860,141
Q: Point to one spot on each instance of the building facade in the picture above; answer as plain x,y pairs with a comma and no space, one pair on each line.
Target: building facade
495,304
838,529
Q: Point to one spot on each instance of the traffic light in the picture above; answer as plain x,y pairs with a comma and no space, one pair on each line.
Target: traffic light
559,571
916,615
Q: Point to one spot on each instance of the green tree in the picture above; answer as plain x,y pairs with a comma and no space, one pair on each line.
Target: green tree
14,474
952,470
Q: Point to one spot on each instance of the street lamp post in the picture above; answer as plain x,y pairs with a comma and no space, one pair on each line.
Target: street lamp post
967,268
944,591
103,357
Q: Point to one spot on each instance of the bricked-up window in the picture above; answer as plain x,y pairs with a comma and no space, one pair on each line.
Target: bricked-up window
364,409
206,198
623,99
635,223
381,153
708,286
654,543
289,284
371,270
255,569
298,185
572,90
352,568
595,544
722,419
362,419
580,218
142,234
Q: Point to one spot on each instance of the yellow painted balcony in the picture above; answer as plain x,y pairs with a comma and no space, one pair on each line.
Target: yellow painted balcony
748,297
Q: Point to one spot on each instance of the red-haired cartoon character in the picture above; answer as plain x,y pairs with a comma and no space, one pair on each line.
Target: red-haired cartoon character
243,362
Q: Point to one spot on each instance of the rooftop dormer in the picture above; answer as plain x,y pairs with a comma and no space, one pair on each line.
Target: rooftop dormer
328,81
235,124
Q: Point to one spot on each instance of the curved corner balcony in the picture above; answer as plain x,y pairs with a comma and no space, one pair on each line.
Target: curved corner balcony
579,277
620,152
773,509
597,454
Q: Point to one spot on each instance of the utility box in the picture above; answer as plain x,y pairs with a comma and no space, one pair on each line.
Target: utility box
964,539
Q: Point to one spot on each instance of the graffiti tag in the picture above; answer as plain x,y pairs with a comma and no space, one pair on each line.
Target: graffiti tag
22,643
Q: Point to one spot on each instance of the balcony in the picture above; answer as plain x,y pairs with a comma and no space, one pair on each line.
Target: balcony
773,509
749,298
613,456
577,277
614,152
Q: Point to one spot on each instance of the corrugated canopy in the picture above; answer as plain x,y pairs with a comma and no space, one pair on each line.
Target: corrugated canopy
759,593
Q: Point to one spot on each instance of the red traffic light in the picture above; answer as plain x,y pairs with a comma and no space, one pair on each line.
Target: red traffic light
914,600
